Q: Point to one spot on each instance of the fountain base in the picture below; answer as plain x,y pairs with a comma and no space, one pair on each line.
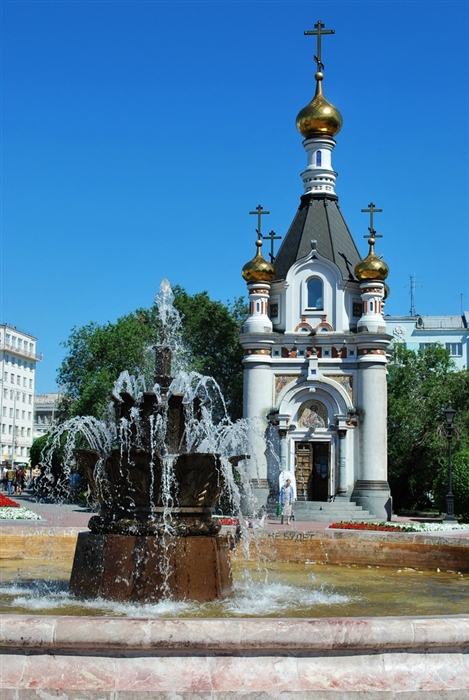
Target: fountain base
150,568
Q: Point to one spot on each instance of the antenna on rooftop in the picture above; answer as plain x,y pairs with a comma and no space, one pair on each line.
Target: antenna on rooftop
413,286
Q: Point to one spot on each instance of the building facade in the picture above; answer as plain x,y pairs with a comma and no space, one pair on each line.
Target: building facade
315,343
45,408
18,361
418,332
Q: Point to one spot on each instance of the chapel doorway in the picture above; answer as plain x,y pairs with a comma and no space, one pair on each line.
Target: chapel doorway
312,471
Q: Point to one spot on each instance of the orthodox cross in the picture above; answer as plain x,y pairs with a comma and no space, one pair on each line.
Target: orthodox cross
272,238
372,210
259,211
319,31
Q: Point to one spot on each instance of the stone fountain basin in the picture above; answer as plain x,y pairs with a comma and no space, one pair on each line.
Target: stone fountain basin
386,658
122,659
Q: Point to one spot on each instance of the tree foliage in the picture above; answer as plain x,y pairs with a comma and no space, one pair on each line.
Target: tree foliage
420,385
96,355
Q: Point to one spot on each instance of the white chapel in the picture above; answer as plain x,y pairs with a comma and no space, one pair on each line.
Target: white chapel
315,343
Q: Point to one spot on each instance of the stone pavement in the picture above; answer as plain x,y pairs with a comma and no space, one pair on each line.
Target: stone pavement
73,515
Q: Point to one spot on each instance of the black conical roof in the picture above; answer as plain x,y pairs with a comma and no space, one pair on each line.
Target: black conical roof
319,219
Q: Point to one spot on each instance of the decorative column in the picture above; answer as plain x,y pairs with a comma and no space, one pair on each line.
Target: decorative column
371,490
341,487
282,433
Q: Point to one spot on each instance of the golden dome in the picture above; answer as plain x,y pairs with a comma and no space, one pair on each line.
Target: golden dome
372,267
387,291
319,117
258,269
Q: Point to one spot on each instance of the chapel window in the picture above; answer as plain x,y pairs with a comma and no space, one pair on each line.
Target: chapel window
318,158
315,294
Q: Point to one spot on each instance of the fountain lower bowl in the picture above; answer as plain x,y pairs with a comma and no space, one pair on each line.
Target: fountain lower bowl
149,568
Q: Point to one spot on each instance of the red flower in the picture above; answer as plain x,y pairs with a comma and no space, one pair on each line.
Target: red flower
381,527
6,502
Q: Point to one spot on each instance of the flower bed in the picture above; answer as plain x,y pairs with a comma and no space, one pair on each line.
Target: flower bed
400,527
6,502
11,510
18,513
381,527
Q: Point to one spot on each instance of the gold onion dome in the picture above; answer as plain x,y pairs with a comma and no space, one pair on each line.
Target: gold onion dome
372,267
258,269
319,117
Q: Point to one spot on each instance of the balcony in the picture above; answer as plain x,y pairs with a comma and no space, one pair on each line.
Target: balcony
20,352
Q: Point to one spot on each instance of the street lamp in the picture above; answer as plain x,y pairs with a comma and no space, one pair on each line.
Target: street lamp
449,414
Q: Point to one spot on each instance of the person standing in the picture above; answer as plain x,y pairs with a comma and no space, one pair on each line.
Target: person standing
287,498
10,480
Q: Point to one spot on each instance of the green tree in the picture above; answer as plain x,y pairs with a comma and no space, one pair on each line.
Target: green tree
210,331
420,385
96,355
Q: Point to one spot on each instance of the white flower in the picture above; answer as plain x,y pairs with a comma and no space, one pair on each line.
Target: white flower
18,514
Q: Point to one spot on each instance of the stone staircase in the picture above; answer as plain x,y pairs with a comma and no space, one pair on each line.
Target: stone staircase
322,511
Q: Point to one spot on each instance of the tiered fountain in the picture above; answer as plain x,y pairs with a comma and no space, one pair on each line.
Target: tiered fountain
154,536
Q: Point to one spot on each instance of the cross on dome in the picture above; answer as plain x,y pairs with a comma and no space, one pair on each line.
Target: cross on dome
372,210
259,211
319,31
272,237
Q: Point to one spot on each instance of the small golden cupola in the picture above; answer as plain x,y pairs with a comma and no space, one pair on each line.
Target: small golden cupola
371,268
258,269
319,117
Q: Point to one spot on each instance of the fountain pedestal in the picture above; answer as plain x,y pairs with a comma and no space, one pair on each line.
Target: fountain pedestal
149,568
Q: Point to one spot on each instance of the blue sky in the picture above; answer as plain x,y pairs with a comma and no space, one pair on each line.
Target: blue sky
137,136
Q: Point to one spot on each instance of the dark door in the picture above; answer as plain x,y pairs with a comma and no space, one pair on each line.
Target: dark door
312,471
319,490
304,466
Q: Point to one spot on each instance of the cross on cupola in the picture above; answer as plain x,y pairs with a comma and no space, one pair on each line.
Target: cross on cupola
372,210
259,211
272,237
319,31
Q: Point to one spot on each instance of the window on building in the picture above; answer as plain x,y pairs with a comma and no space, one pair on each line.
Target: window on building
11,413
423,346
18,380
455,349
5,376
318,158
315,294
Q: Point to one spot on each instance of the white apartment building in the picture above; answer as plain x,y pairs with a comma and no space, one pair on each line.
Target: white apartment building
18,360
418,332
